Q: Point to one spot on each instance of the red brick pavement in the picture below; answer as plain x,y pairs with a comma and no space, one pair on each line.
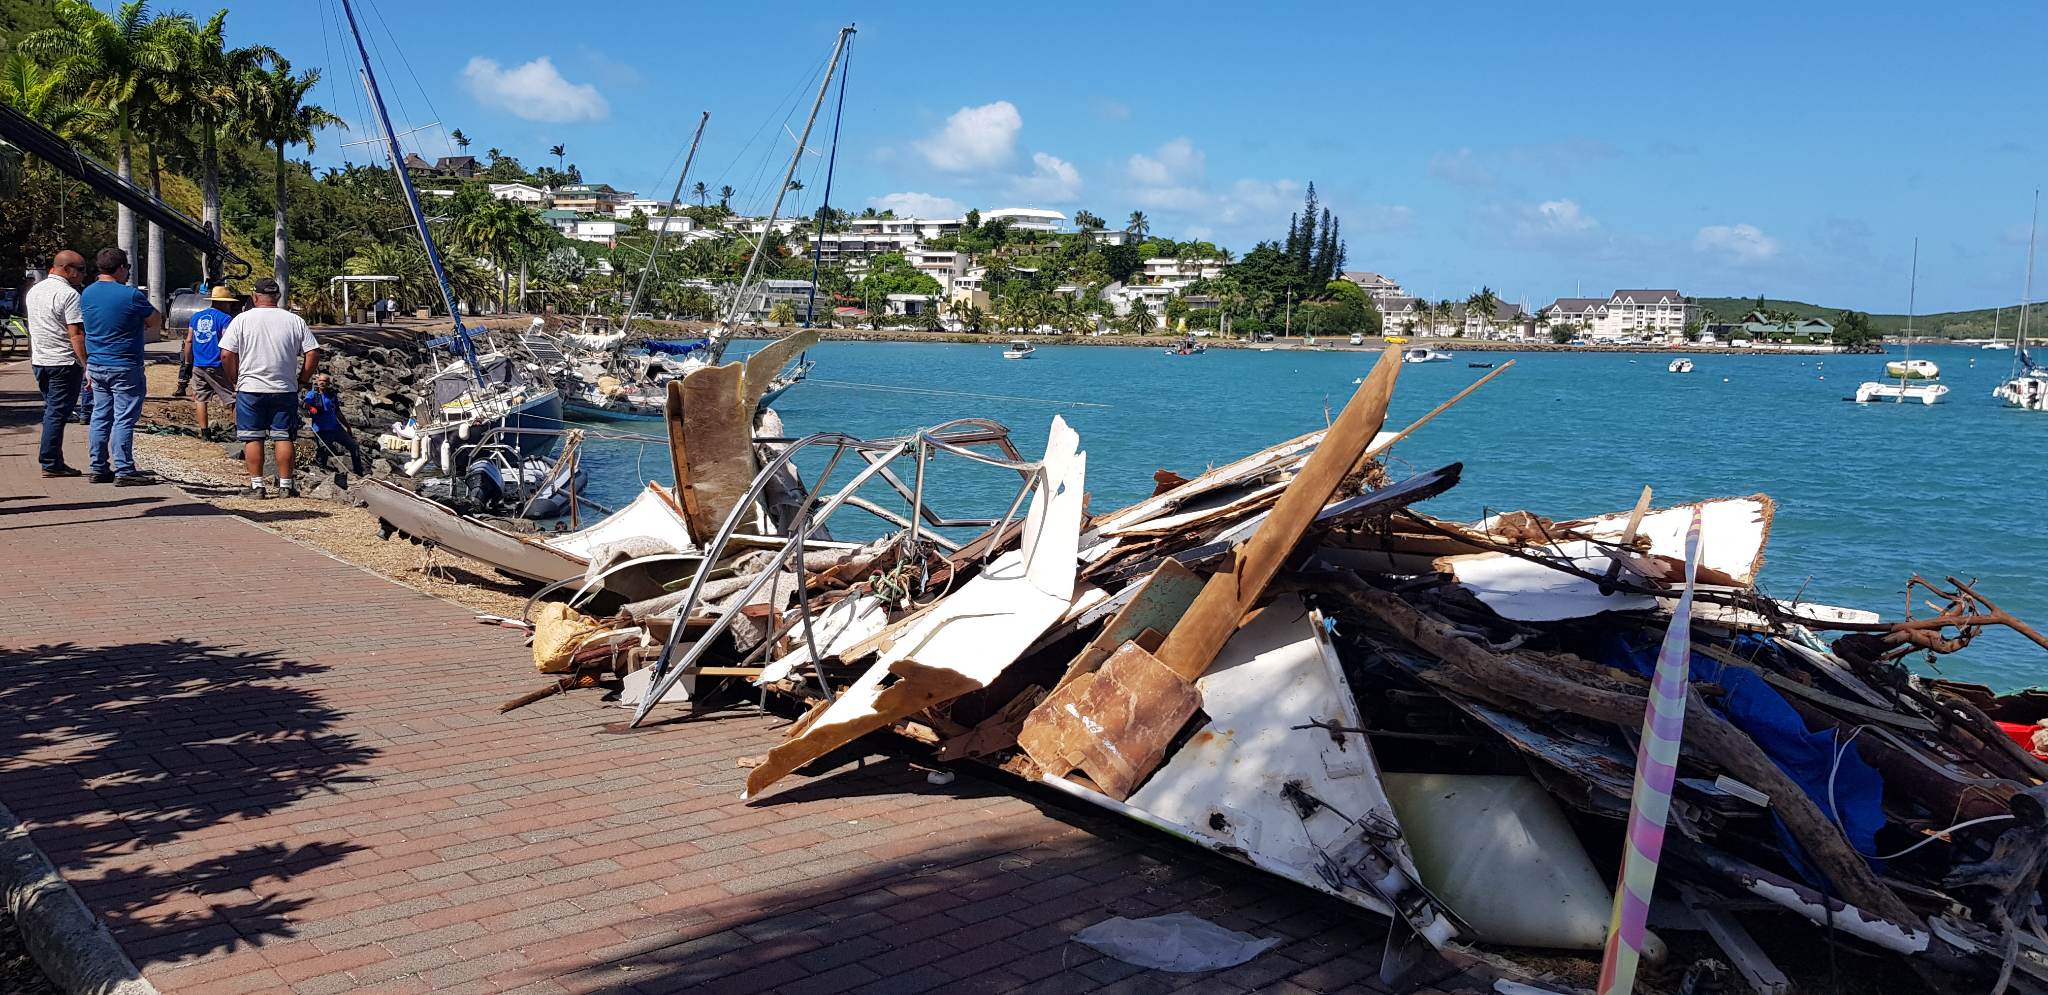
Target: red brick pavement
267,770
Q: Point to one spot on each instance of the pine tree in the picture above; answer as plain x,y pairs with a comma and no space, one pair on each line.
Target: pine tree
1304,249
1293,243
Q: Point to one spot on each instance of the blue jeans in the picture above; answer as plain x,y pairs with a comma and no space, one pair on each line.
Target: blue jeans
59,385
116,406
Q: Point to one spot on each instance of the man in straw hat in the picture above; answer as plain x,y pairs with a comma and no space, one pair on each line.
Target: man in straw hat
202,353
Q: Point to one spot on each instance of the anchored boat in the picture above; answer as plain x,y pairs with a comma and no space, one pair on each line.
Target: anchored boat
1915,376
2027,386
1424,354
1912,369
1019,349
1680,365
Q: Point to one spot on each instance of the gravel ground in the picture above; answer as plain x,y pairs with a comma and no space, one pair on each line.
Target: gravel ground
346,533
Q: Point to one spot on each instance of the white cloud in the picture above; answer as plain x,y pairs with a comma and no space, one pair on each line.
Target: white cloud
974,138
535,91
1176,163
918,205
1739,243
1460,168
1052,180
1562,217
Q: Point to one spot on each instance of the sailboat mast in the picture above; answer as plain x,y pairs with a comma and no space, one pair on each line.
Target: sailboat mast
465,347
723,334
2019,345
654,250
825,207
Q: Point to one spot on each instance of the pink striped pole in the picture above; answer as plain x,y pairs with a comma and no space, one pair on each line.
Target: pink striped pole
1656,769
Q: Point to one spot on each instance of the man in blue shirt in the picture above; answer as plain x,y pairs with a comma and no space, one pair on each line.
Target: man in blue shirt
330,429
118,319
202,353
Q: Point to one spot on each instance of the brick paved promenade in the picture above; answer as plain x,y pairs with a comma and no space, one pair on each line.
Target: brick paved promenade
267,770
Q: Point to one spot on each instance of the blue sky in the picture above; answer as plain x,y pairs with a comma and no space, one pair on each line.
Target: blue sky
1794,150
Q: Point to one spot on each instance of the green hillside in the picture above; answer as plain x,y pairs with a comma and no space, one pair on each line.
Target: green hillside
1950,324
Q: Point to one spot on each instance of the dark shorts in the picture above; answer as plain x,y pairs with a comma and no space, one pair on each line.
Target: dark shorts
266,416
209,384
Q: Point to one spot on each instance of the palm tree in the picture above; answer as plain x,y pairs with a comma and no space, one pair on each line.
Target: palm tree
461,140
274,105
725,197
213,75
109,61
1139,225
559,153
165,126
703,193
1484,304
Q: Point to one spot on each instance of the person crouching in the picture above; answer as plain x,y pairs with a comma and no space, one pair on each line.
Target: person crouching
331,430
269,355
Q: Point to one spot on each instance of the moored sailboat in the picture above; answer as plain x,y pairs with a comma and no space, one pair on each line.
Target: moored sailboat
2027,386
1915,376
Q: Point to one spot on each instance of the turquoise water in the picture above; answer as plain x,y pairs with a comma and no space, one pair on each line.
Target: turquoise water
1867,494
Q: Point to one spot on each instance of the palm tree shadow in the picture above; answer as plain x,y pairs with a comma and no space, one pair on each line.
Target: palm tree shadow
125,758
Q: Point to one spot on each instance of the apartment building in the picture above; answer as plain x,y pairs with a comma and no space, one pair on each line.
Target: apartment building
1164,268
1640,314
1376,286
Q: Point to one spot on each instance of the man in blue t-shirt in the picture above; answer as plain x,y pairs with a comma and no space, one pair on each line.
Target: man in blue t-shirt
330,429
118,319
202,353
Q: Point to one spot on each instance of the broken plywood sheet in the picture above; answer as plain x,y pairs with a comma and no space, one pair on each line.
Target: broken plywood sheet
1740,527
1113,724
968,639
712,448
1157,602
1526,591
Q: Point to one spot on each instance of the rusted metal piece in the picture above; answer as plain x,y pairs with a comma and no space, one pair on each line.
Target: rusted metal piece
1113,724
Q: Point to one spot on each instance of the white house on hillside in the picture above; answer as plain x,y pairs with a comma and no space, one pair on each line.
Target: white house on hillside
1375,285
1168,268
944,267
522,193
625,209
596,230
920,228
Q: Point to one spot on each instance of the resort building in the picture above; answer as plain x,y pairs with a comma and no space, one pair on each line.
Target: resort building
1648,315
522,193
1375,285
1026,218
1164,268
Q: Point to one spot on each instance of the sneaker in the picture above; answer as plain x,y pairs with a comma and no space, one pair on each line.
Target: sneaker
256,492
288,490
138,479
61,470
101,477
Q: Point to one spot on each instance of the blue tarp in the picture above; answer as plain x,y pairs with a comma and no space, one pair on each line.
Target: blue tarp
1757,709
675,347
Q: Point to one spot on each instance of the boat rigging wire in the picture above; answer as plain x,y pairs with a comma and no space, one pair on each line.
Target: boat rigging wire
851,385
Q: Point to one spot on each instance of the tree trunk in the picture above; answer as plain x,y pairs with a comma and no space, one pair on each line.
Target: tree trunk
280,267
209,209
504,287
124,218
157,295
522,285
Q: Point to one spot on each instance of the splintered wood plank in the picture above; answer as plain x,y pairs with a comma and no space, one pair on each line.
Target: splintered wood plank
1113,724
1233,590
711,441
1162,598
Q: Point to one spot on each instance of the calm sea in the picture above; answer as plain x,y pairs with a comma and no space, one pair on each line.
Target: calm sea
1867,495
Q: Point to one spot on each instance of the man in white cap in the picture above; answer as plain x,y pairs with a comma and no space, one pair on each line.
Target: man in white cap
202,353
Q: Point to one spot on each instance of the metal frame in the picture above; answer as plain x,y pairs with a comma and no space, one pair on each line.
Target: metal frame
811,517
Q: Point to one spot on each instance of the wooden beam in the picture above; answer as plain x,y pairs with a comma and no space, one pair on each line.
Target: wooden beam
1233,590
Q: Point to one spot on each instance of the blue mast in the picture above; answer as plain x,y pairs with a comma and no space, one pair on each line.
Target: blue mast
463,345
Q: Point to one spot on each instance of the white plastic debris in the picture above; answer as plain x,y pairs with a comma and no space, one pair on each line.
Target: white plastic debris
938,777
1177,941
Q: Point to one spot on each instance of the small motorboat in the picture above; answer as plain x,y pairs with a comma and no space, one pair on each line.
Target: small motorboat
1912,369
1019,349
1680,365
1479,366
1901,392
1424,354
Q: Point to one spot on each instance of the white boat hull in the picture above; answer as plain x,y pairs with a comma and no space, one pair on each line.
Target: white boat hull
1899,393
1912,369
2024,393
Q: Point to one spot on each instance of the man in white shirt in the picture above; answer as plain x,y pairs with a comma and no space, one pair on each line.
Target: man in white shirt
56,346
269,354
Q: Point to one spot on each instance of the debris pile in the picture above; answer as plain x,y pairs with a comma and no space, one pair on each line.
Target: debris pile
1284,661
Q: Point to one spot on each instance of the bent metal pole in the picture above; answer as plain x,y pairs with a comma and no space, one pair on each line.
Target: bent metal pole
654,250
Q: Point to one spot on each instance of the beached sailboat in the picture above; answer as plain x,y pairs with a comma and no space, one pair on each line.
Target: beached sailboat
1915,376
477,400
2026,387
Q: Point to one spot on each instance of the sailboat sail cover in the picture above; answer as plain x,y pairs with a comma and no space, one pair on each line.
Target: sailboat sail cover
676,347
